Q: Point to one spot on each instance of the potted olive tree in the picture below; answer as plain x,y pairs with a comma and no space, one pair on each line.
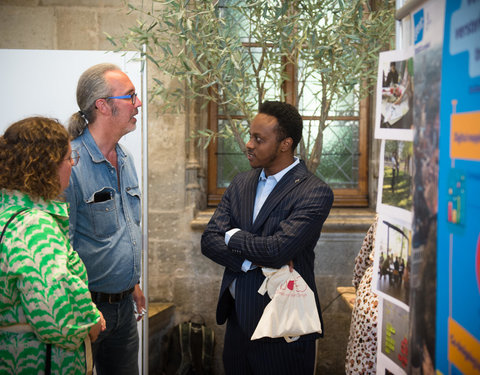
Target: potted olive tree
235,54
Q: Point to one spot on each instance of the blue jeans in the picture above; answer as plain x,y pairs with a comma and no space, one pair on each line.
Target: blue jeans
116,349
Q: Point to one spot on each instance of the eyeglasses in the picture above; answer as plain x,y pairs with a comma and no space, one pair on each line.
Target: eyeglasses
74,158
133,97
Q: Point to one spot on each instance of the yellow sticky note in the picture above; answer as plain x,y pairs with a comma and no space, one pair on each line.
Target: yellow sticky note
463,349
465,136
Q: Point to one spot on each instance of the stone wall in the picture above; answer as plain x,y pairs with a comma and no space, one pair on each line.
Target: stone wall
178,273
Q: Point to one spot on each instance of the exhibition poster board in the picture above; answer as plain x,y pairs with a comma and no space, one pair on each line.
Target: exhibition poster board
458,262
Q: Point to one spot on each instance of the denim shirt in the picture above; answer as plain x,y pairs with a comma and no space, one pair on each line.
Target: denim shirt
104,217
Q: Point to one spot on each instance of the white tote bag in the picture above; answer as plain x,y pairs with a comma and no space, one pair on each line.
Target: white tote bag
292,312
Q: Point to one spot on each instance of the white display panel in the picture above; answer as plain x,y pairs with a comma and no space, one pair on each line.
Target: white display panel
44,82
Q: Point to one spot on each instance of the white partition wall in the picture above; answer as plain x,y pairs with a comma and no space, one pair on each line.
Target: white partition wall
44,82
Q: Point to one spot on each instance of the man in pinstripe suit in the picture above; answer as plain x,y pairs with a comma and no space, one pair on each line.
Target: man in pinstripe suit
269,216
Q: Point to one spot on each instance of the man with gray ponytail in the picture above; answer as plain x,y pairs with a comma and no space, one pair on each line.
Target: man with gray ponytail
105,212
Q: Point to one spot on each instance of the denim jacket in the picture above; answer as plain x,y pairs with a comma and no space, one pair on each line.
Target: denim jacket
104,217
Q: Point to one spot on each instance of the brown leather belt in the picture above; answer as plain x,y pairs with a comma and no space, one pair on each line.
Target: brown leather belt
99,297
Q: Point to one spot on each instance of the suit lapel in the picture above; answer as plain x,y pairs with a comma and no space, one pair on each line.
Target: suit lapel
290,181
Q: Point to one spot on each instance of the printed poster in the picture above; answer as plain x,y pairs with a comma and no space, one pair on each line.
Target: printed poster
395,179
395,91
392,352
427,31
458,303
392,263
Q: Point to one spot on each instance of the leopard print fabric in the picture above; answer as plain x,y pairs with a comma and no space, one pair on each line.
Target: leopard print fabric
362,343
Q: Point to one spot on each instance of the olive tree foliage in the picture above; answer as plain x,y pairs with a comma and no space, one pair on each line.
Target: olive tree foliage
235,53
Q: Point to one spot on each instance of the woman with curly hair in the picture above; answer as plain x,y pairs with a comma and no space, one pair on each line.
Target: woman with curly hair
46,311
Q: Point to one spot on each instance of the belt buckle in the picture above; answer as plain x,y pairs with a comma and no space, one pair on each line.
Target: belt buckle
110,299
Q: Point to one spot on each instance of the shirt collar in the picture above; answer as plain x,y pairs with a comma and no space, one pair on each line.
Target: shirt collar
278,176
93,149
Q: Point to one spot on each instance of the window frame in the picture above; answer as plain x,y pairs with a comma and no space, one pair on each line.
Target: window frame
343,197
354,197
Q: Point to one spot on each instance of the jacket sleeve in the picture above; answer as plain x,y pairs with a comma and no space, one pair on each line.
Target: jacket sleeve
297,224
213,238
52,282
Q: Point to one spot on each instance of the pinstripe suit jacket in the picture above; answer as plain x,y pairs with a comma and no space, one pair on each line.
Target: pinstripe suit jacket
287,227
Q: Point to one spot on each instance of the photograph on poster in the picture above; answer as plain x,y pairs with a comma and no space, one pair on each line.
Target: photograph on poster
394,116
395,178
392,264
392,339
385,367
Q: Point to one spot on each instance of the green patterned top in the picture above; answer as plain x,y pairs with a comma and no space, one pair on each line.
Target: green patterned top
43,282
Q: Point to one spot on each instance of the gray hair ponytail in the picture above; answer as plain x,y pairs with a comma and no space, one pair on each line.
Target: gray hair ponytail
91,86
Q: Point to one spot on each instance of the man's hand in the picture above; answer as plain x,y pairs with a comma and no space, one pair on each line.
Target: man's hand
290,265
139,300
95,330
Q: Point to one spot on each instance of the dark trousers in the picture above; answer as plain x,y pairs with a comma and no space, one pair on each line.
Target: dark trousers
116,349
241,356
